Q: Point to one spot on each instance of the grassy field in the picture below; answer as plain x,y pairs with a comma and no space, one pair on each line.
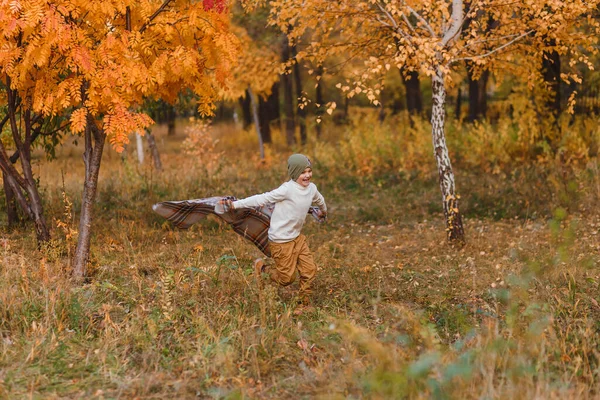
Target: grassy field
514,314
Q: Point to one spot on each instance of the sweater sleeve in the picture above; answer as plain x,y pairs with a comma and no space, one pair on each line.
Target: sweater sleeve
319,200
258,200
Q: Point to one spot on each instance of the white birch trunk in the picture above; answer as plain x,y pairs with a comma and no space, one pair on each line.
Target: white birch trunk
140,147
454,227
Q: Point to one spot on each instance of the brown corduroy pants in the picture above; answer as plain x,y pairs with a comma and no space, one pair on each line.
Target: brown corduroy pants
292,256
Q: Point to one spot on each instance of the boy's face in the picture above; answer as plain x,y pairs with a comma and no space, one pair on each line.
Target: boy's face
304,178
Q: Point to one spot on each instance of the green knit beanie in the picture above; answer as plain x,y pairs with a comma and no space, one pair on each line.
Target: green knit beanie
297,163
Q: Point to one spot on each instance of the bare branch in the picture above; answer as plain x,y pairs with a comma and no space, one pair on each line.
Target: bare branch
155,14
382,22
492,39
422,20
387,14
497,49
407,22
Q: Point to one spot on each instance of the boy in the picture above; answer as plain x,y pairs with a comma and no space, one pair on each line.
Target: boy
288,245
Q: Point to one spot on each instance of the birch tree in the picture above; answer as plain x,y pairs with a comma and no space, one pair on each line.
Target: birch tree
428,38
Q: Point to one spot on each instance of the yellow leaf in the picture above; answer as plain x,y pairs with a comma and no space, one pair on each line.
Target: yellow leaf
78,120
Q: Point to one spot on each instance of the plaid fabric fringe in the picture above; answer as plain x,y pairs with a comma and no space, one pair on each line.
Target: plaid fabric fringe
250,223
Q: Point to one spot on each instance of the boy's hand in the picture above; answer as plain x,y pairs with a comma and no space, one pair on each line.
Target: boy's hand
322,215
226,205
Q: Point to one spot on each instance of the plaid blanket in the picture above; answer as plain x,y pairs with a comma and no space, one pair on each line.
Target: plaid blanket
250,223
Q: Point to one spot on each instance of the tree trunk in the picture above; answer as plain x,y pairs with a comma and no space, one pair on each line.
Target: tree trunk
254,107
346,109
170,117
246,110
551,73
301,107
263,119
288,97
453,218
268,111
33,202
92,157
41,228
458,109
139,147
16,183
320,101
12,214
414,98
273,103
381,113
477,94
153,150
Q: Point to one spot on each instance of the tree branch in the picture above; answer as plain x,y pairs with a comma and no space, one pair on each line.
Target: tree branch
38,132
395,25
497,49
422,20
388,15
492,39
8,168
154,15
407,22
3,122
457,21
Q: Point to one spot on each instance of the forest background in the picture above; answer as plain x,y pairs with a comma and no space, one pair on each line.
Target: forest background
406,109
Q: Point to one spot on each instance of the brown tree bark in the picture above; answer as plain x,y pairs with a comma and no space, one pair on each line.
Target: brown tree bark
92,157
12,214
171,128
346,109
300,108
264,120
458,109
268,111
477,94
246,110
254,107
153,150
453,218
414,98
24,187
551,73
288,97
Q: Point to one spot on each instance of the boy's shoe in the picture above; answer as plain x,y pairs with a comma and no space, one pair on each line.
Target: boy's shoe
259,268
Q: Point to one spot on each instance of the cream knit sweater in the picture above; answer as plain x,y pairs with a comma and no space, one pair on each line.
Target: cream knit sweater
292,202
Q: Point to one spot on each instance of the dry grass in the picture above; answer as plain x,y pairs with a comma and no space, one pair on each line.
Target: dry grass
399,314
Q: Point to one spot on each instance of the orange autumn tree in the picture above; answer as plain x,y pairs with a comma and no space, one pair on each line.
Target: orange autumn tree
431,38
94,62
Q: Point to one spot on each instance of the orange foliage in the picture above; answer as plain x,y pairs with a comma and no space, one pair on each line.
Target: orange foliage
434,37
100,59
